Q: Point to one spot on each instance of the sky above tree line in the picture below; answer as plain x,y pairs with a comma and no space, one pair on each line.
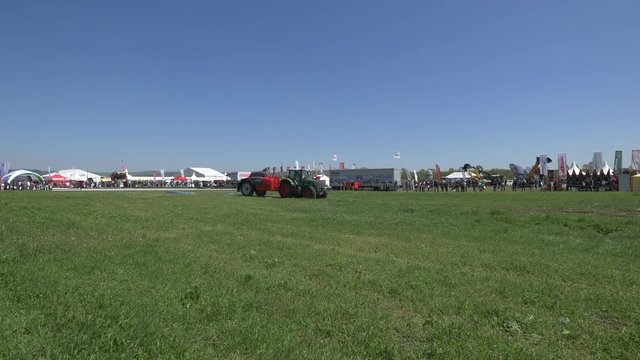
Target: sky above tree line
241,85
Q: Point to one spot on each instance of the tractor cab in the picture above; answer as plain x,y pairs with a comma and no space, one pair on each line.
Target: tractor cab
299,175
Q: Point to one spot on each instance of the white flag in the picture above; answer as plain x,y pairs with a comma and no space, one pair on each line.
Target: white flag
396,155
334,157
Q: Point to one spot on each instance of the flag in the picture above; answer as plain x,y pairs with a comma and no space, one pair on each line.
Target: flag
341,166
314,166
154,175
182,172
354,166
543,165
617,163
321,164
334,157
562,165
281,167
4,168
597,161
121,166
438,173
162,175
635,160
396,155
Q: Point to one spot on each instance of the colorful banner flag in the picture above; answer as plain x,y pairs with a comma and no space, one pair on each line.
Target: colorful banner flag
596,163
438,173
4,168
562,165
341,166
543,165
154,175
121,166
635,160
617,163
162,174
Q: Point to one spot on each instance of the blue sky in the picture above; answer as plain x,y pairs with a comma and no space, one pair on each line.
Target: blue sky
240,85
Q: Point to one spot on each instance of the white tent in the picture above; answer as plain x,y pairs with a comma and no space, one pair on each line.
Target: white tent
25,173
323,179
574,169
606,169
204,174
461,175
79,175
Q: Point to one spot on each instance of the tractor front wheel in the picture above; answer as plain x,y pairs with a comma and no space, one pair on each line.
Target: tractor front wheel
246,188
308,192
284,189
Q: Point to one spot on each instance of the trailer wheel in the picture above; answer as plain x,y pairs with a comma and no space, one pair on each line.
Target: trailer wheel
246,188
284,189
261,192
308,192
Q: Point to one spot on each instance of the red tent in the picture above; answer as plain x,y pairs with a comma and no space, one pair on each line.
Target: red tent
180,178
56,178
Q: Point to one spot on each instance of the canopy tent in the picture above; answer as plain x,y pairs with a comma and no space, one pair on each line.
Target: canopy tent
79,175
323,179
461,175
55,177
574,169
606,169
21,173
205,174
179,178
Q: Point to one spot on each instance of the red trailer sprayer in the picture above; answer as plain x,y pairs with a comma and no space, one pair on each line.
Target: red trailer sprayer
297,183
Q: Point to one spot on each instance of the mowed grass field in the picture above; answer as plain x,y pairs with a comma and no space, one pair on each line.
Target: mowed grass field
357,275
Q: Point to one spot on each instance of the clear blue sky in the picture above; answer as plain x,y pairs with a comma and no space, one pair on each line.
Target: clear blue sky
240,85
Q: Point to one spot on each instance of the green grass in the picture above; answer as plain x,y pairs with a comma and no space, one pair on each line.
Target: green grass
358,275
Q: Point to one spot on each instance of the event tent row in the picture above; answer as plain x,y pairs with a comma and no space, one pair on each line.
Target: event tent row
575,170
192,174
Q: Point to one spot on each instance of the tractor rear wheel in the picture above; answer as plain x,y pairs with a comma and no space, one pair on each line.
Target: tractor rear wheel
308,192
261,192
285,189
246,188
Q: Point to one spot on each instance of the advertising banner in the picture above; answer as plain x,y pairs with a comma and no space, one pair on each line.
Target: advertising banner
4,168
597,163
635,160
543,165
617,163
562,165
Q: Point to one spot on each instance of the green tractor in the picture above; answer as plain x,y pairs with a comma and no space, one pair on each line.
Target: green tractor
300,183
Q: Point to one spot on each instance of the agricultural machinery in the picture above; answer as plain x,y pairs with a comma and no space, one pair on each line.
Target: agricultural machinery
297,183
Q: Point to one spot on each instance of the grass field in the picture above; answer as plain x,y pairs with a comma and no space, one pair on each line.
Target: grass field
358,275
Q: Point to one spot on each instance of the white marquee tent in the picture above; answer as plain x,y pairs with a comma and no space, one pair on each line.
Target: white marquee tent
461,175
574,169
77,175
204,174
